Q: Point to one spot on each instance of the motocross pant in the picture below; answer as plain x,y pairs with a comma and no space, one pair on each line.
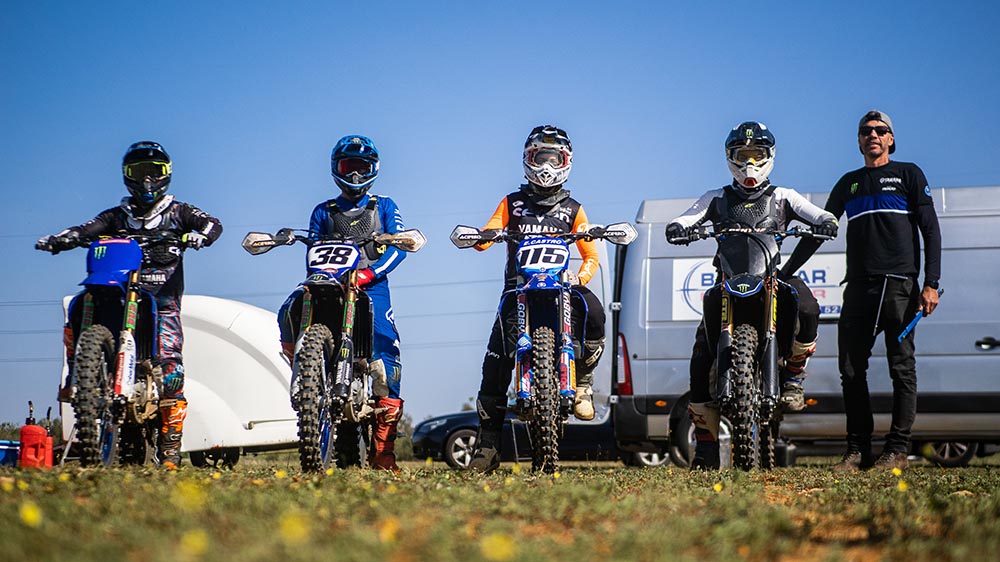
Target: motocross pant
587,325
703,356
385,367
878,304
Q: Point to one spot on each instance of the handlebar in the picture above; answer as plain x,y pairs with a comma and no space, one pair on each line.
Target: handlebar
702,233
256,243
56,244
619,233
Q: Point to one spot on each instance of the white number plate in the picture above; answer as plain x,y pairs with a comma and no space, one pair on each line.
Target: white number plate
332,256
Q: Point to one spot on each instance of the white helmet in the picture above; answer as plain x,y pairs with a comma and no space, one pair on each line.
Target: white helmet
548,158
750,152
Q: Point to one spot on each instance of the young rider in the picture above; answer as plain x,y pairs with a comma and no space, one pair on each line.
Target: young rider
147,170
539,206
750,201
355,213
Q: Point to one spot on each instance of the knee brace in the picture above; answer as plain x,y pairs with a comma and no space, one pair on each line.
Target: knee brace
797,360
705,416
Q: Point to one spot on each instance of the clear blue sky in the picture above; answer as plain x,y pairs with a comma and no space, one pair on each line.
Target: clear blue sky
249,97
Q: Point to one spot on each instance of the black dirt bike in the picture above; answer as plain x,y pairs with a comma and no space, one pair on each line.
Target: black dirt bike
545,366
330,383
750,319
115,375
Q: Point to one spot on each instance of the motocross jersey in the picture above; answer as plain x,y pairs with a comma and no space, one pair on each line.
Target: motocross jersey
518,212
776,207
370,214
162,265
885,207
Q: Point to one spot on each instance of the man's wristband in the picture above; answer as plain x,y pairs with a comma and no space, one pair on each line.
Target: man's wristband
933,284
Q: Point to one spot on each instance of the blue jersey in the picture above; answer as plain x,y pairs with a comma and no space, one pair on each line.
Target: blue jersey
386,220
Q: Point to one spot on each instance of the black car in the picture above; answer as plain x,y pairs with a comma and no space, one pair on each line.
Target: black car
452,438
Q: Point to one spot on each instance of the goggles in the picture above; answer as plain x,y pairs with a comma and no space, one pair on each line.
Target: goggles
360,166
141,170
542,156
749,154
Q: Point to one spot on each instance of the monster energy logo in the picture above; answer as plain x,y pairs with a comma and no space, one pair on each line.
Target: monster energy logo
854,188
743,287
749,133
99,252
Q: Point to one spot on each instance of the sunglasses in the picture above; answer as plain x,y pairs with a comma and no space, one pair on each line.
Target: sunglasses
866,130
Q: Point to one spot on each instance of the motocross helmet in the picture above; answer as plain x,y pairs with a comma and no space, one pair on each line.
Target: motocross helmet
750,152
354,164
548,158
146,169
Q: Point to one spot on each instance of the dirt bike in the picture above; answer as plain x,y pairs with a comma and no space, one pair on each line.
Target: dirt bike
750,320
330,384
545,366
115,376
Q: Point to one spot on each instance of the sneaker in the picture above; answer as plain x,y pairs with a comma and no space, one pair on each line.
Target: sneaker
583,408
891,459
793,396
853,461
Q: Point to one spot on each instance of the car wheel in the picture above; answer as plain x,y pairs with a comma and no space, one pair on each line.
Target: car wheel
226,457
683,442
459,448
950,454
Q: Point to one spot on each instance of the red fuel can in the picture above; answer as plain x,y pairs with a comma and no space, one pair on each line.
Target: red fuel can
36,447
36,444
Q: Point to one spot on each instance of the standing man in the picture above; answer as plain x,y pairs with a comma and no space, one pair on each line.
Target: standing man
887,204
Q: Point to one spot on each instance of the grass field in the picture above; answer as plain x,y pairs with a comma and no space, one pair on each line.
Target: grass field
265,509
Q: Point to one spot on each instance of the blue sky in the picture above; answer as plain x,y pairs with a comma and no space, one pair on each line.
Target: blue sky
249,97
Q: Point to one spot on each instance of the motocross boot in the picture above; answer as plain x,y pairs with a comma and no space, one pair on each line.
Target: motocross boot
288,351
67,390
705,417
793,375
492,410
382,454
172,414
583,407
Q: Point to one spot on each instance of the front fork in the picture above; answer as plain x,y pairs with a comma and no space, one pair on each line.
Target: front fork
523,356
769,357
343,372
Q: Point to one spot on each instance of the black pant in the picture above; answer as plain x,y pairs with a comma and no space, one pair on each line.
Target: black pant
856,334
702,356
499,361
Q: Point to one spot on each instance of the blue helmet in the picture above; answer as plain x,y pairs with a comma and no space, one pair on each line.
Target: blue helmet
354,164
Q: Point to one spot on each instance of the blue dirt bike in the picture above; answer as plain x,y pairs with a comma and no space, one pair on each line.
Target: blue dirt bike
115,375
330,384
545,363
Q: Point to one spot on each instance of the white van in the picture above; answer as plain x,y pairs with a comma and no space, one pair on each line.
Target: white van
657,307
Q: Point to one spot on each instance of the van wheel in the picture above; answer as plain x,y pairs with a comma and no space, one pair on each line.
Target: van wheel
649,459
950,454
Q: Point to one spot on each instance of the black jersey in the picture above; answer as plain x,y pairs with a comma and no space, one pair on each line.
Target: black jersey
162,267
885,207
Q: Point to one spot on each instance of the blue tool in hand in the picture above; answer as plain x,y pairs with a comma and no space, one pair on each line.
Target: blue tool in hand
913,323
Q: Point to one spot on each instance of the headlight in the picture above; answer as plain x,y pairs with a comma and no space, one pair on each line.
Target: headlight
429,426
